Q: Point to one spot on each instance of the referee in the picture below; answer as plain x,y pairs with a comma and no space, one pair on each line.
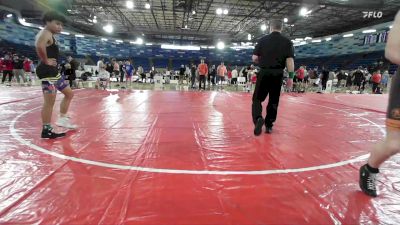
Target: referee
273,53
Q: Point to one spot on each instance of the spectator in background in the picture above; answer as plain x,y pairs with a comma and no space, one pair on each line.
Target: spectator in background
141,73
182,71
18,69
152,74
359,78
221,72
324,78
213,74
340,76
229,76
103,76
385,79
300,75
27,70
7,69
115,69
203,72
193,75
109,68
349,80
74,65
129,72
100,65
376,81
1,65
235,75
68,73
121,71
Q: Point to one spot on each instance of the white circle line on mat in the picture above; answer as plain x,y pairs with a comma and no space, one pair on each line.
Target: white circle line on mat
15,134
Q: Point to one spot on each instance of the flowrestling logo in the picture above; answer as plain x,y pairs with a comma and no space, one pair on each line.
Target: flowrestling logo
372,14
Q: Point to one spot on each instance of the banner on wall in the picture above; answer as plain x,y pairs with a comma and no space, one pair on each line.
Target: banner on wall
375,38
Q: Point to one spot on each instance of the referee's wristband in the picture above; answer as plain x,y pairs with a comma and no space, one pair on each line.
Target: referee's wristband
291,75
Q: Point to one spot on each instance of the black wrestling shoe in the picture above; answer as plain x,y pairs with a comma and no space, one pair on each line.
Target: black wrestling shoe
49,134
368,181
268,130
258,126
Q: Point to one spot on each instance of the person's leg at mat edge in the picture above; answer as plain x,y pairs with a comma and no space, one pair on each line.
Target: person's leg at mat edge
391,144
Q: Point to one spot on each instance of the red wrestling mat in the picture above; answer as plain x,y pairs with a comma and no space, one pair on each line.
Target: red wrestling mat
149,157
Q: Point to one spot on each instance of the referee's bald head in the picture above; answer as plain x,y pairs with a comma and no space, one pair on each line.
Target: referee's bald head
276,24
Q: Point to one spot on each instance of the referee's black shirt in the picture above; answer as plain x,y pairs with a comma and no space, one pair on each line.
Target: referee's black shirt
273,50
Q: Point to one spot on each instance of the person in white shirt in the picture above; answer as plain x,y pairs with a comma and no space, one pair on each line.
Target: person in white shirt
103,76
100,64
235,75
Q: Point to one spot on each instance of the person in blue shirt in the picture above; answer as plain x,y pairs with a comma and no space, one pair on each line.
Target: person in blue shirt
129,73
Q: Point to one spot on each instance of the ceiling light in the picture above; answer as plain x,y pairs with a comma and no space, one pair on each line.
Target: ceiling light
41,28
79,35
104,39
307,38
221,45
391,26
108,28
304,11
316,41
94,17
149,44
292,25
94,20
369,31
129,4
219,11
139,41
23,22
263,27
119,41
285,20
185,26
193,12
348,35
65,33
9,15
328,39
147,6
226,12
249,37
69,10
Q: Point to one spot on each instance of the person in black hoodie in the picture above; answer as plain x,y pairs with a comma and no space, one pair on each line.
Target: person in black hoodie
324,78
213,73
19,69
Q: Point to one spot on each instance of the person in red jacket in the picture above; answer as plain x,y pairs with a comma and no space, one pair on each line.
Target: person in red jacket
7,69
27,70
27,65
1,65
376,81
203,72
300,74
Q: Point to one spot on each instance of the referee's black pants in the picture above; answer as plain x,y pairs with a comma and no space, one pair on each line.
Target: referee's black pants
269,82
